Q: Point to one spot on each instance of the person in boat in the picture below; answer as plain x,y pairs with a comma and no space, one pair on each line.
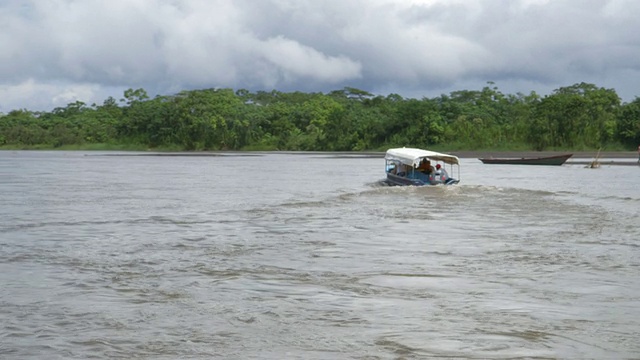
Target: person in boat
399,170
425,167
442,172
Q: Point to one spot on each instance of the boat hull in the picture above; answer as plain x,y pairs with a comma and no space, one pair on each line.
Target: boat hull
394,180
556,160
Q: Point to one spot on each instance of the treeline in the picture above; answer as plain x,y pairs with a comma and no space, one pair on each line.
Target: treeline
581,117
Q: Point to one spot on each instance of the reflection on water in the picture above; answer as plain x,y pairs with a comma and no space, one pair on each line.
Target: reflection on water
107,256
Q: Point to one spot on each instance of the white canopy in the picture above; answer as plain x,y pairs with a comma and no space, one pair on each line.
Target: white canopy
412,156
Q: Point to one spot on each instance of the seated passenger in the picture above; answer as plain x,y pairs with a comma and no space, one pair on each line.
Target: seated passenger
399,170
442,172
425,166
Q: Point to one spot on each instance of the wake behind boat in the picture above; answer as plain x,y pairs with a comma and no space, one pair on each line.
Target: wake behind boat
556,160
410,166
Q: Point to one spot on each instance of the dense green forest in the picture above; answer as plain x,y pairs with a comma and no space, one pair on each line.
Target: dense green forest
580,117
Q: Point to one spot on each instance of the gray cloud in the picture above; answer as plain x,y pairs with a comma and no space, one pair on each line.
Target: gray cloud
58,51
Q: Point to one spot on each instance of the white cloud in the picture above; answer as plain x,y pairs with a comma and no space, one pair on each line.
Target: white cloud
298,61
403,46
47,96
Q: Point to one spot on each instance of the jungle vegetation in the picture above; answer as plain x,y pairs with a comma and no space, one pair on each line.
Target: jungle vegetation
579,117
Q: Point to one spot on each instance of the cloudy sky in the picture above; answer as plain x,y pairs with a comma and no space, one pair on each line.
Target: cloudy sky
53,52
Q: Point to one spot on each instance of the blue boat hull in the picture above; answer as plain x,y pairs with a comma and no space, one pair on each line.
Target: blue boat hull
395,180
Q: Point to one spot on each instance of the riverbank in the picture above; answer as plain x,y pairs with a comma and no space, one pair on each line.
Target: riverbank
624,158
521,154
461,154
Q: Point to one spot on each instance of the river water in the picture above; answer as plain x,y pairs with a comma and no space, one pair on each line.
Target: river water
307,256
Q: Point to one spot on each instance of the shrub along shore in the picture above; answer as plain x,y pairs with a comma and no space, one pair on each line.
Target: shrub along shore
374,154
581,117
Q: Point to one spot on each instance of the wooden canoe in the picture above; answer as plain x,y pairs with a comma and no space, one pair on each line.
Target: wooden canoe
556,160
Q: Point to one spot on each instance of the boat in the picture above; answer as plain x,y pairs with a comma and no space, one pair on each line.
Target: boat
418,167
556,160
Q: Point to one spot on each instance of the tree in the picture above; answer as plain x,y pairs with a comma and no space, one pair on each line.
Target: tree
581,115
628,124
